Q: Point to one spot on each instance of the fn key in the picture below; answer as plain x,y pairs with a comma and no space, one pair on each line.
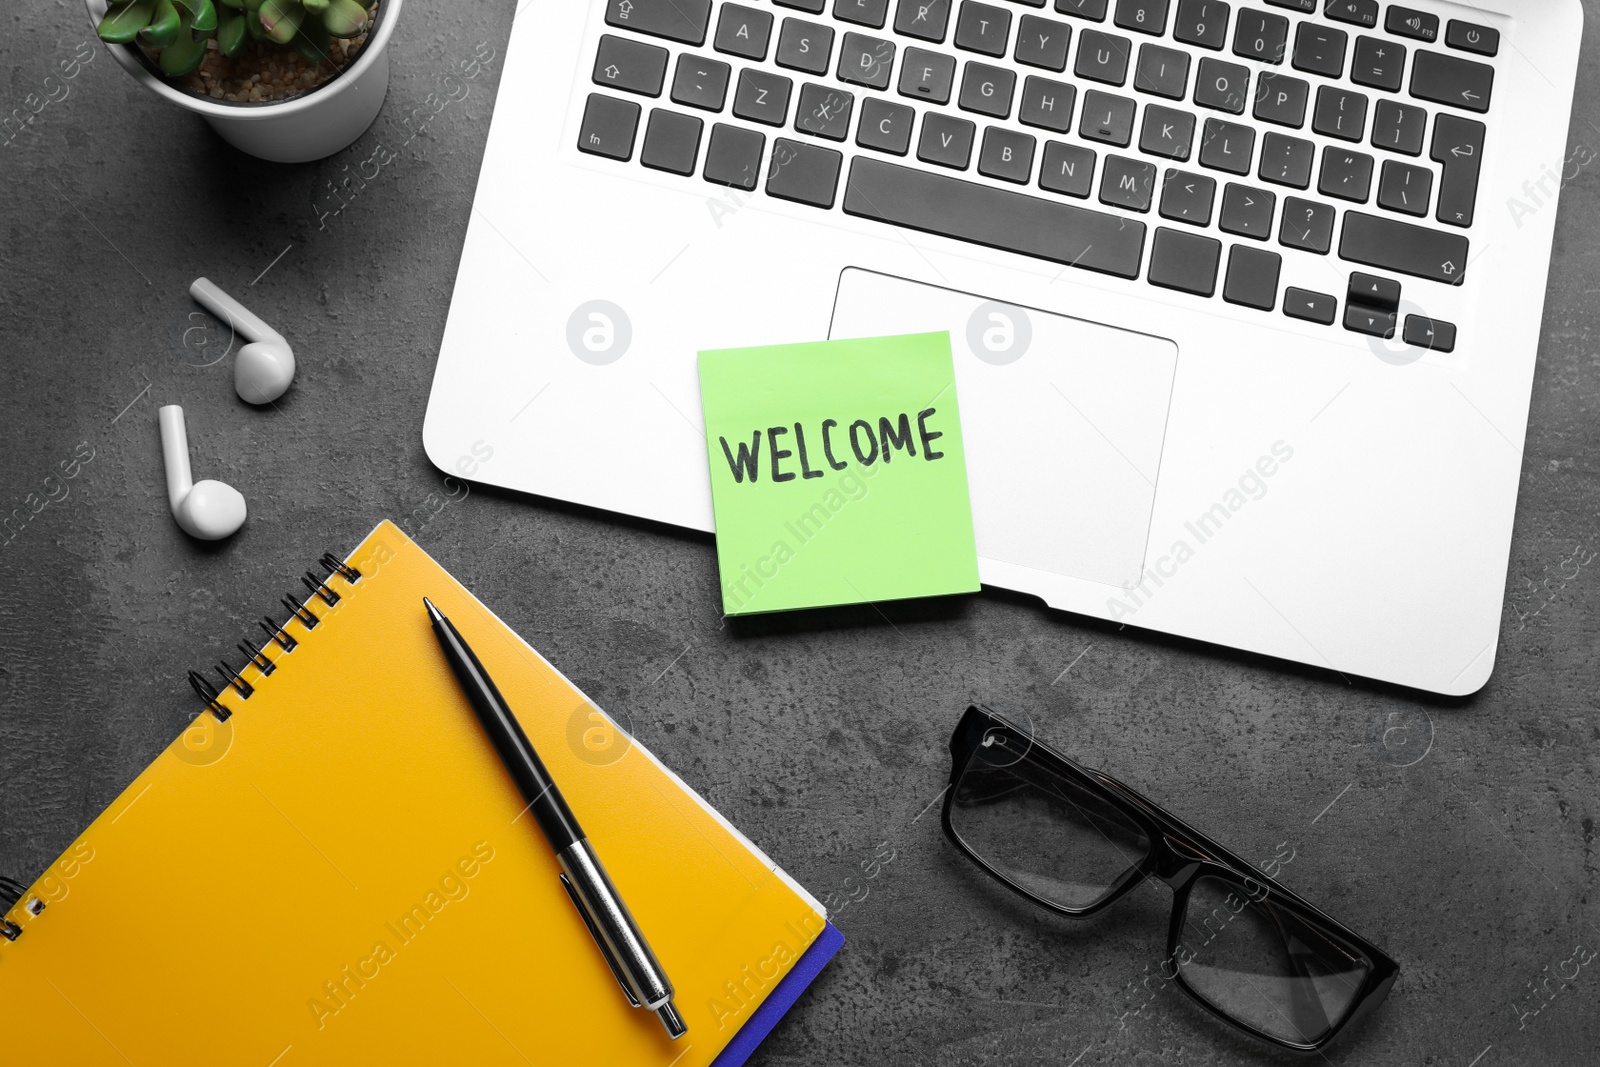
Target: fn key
608,127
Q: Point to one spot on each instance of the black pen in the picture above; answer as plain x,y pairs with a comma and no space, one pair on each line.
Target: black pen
603,912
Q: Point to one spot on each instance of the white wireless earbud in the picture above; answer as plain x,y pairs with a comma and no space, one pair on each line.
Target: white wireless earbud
264,367
208,510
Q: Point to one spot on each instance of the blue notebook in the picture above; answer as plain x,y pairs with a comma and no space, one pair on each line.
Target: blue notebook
782,998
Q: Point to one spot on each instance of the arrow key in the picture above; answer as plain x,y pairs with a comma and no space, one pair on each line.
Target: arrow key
631,65
1312,307
1370,321
1451,80
1380,294
1435,335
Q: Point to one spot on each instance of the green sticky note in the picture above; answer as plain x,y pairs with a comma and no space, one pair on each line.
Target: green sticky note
837,473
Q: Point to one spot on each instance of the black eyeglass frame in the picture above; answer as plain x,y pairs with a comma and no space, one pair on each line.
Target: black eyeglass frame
1180,856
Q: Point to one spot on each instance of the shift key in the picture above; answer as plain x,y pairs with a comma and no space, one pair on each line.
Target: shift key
676,20
1390,244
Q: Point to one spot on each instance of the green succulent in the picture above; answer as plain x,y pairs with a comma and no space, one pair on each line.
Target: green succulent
180,28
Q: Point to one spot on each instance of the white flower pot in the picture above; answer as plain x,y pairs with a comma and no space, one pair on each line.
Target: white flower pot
309,126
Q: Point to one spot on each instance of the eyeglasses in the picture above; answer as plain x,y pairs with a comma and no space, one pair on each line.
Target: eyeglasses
1073,840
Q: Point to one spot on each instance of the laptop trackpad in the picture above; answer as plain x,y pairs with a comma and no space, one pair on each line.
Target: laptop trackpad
1063,420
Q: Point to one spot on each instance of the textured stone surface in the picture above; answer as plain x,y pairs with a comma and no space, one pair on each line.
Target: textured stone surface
1475,865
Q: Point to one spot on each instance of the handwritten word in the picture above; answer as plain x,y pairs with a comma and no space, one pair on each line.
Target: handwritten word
338,992
864,445
55,491
352,184
33,105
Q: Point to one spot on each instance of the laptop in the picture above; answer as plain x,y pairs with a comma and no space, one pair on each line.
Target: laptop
1244,298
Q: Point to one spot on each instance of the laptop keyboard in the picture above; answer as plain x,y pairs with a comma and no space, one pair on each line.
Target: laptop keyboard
1243,133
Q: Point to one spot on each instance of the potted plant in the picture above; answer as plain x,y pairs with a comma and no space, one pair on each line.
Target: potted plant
285,80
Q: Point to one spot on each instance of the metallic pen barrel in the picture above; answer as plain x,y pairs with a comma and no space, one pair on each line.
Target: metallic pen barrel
625,949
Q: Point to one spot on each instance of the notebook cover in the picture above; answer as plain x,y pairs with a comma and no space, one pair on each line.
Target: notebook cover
342,872
782,998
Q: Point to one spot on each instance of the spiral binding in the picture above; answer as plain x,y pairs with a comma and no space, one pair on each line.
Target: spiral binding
277,634
11,891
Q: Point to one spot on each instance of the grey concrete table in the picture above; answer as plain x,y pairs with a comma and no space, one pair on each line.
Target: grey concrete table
1460,835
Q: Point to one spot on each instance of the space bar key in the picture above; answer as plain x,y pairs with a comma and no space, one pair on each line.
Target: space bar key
998,218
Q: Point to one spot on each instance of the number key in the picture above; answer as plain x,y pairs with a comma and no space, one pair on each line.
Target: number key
1202,22
1261,35
1146,16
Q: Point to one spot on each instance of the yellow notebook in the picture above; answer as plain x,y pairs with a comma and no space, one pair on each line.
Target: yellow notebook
340,871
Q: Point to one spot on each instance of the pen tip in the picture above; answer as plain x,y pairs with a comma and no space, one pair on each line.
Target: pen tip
433,612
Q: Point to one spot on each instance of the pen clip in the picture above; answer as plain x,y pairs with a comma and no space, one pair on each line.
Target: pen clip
605,949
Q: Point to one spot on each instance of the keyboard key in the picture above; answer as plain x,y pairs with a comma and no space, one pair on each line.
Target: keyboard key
824,111
927,19
1187,197
885,126
762,96
1449,80
1043,42
1312,307
805,46
946,140
1340,113
1083,9
1202,22
743,31
635,66
1378,64
608,127
814,6
1145,16
734,156
1223,86
1320,49
1247,212
1408,22
1472,38
1373,291
1006,155
1067,168
982,28
1398,127
928,76
1103,57
676,20
866,60
1357,12
1260,35
1404,247
1371,321
1047,104
804,173
1433,334
1167,132
1227,146
998,218
987,90
872,13
1281,99
1345,174
1106,118
671,142
1305,7
1184,261
1127,183
1286,160
701,82
1403,187
1458,147
1307,225
1252,278
1162,71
